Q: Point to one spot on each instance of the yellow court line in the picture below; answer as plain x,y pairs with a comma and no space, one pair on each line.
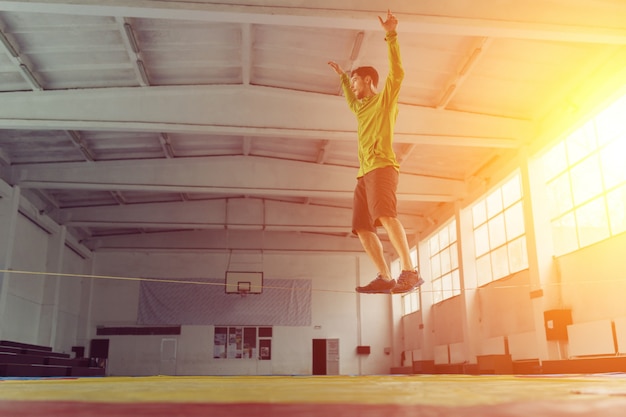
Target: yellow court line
441,390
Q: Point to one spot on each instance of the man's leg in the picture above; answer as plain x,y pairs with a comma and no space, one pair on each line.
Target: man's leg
409,278
383,283
363,227
374,249
365,230
397,237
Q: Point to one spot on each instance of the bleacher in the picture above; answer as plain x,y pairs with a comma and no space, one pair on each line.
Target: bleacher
26,360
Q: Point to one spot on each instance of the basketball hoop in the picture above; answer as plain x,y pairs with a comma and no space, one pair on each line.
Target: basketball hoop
244,283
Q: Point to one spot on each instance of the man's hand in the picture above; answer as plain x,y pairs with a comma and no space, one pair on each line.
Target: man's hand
390,24
336,67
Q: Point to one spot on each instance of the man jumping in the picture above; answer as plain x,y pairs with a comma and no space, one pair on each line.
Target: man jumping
377,180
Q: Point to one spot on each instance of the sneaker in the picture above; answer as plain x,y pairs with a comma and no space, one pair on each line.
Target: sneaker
378,286
407,282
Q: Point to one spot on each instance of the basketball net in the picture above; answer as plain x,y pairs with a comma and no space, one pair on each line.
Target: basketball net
243,293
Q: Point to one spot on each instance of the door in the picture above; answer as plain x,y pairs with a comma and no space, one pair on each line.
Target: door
332,356
168,356
99,353
319,356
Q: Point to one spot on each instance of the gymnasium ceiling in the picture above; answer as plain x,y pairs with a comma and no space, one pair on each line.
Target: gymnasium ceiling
218,125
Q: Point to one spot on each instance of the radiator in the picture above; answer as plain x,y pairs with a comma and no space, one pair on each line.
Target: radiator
441,355
457,353
591,339
408,358
493,346
523,346
620,334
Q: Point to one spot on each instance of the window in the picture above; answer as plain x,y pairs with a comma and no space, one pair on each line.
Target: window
242,342
585,176
499,232
444,263
410,301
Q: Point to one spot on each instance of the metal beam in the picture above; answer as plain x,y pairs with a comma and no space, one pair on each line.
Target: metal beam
219,214
225,240
581,22
254,176
260,113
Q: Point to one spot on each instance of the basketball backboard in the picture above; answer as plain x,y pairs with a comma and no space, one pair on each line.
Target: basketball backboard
244,282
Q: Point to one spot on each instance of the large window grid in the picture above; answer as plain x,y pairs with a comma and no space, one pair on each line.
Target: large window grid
444,263
586,179
499,232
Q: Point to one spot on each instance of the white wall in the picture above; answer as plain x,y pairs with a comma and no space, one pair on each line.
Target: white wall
590,281
41,309
337,311
593,281
71,302
64,311
25,292
36,307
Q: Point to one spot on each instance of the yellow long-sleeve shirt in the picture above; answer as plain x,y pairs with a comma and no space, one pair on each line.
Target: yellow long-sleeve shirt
376,115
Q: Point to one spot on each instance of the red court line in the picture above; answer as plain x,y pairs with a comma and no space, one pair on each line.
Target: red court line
605,407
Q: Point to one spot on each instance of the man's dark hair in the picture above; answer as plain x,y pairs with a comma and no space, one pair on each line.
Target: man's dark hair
364,72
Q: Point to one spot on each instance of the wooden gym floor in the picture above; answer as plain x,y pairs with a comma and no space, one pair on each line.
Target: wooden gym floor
336,396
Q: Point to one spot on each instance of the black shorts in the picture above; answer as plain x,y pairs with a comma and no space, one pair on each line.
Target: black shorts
374,197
